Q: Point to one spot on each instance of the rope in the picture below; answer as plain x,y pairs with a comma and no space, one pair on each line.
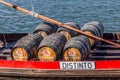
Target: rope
33,8
6,44
18,14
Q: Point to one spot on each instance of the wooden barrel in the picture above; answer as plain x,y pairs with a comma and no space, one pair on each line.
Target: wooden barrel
94,28
69,33
45,29
51,47
98,25
77,48
26,47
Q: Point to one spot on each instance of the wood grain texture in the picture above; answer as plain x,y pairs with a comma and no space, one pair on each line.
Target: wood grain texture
58,73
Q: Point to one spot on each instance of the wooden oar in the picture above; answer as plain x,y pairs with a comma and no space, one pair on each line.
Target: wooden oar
55,22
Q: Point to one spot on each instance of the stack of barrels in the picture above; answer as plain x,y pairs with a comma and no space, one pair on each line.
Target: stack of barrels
77,48
26,47
49,42
51,47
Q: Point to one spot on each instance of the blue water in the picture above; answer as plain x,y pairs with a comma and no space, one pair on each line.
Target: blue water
80,11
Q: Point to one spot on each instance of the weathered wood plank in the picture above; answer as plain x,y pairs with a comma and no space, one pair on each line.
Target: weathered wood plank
60,78
58,73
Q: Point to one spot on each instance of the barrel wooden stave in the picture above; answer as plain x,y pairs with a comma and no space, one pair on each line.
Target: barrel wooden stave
56,42
94,28
97,25
27,45
91,28
79,43
84,40
69,33
45,29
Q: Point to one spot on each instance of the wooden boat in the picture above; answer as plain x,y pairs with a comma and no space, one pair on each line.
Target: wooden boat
103,62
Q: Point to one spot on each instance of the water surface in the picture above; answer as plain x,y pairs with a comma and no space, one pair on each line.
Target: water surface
80,11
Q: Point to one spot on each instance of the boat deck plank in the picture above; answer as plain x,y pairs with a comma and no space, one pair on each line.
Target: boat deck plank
59,73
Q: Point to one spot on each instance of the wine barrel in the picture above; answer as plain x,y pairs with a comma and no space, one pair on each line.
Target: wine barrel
94,28
77,48
26,47
51,47
45,29
98,25
69,33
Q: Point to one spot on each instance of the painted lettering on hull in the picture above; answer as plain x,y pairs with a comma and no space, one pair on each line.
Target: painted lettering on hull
85,65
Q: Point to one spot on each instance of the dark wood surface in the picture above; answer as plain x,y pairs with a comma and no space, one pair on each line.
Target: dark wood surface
58,73
31,74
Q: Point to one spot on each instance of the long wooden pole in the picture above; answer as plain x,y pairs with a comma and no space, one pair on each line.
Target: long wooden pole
55,22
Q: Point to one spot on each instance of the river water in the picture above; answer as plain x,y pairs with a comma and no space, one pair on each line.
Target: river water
80,11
